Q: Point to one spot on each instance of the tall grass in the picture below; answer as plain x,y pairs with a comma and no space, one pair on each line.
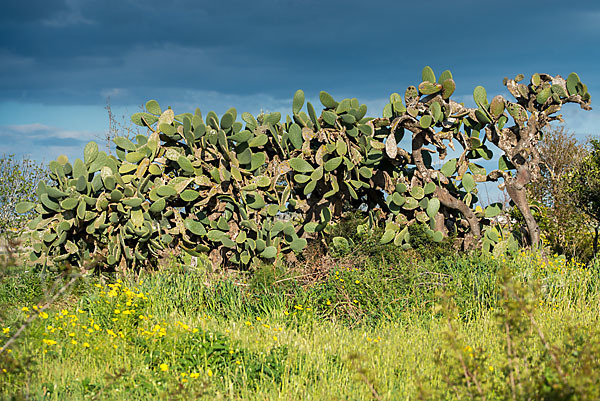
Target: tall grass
393,329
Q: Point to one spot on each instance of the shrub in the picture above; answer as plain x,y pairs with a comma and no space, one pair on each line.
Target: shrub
259,191
18,180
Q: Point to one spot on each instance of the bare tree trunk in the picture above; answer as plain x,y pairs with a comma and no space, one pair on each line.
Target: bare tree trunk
445,197
450,201
518,193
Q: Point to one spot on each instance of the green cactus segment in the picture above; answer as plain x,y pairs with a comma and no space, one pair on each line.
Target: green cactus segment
153,107
366,172
505,164
158,206
332,164
397,199
90,153
410,204
227,121
329,117
493,210
438,236
426,121
48,203
433,206
436,111
429,188
428,75
144,119
313,115
518,112
387,236
185,164
480,96
468,182
497,106
428,88
166,191
543,95
124,143
482,117
300,165
449,168
327,100
24,207
298,101
448,88
189,195
295,136
417,192
269,252
445,76
572,81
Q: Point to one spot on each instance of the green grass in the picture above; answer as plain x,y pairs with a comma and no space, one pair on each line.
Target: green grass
375,329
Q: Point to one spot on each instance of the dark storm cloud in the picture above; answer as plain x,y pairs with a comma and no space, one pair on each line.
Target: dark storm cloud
77,51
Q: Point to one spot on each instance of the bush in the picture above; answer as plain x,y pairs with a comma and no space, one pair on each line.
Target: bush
554,205
246,193
18,178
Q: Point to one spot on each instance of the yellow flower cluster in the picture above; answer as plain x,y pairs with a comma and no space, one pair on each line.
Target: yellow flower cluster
77,328
118,317
373,340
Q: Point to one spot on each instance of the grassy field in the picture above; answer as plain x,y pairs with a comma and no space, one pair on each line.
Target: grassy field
459,327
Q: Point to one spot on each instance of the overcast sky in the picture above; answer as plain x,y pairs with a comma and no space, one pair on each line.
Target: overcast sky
61,59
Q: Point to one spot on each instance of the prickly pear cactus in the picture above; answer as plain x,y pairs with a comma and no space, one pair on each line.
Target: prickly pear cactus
260,188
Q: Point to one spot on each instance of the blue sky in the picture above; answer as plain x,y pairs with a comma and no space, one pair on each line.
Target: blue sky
61,59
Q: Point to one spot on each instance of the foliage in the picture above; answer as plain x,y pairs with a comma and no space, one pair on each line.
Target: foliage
584,185
19,178
564,371
259,191
555,210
